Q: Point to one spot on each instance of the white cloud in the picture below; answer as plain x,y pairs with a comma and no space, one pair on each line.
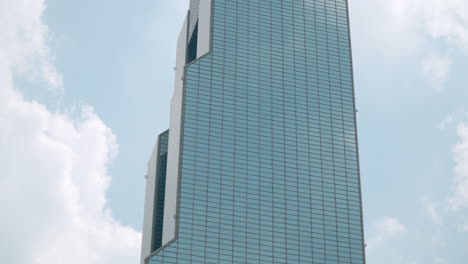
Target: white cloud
434,214
53,178
446,20
23,41
385,229
437,68
459,197
447,121
390,226
414,30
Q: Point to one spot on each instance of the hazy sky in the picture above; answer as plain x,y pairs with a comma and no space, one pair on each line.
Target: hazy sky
85,88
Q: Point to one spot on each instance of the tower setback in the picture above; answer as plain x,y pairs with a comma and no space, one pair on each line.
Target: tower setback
261,159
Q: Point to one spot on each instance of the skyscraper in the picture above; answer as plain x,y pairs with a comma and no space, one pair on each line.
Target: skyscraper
260,163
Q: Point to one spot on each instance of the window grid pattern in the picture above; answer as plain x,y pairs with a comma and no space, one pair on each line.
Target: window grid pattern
194,6
160,193
269,163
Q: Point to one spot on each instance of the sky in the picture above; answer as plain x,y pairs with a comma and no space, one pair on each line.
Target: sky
85,88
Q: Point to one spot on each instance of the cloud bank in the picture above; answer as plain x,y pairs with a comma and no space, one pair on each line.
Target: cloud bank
53,177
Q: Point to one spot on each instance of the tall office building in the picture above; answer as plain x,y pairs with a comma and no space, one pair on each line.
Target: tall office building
260,163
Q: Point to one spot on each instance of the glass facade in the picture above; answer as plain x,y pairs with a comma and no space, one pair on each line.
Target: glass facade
159,195
269,160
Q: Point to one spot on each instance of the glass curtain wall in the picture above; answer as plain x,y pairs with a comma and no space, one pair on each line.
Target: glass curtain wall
269,158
